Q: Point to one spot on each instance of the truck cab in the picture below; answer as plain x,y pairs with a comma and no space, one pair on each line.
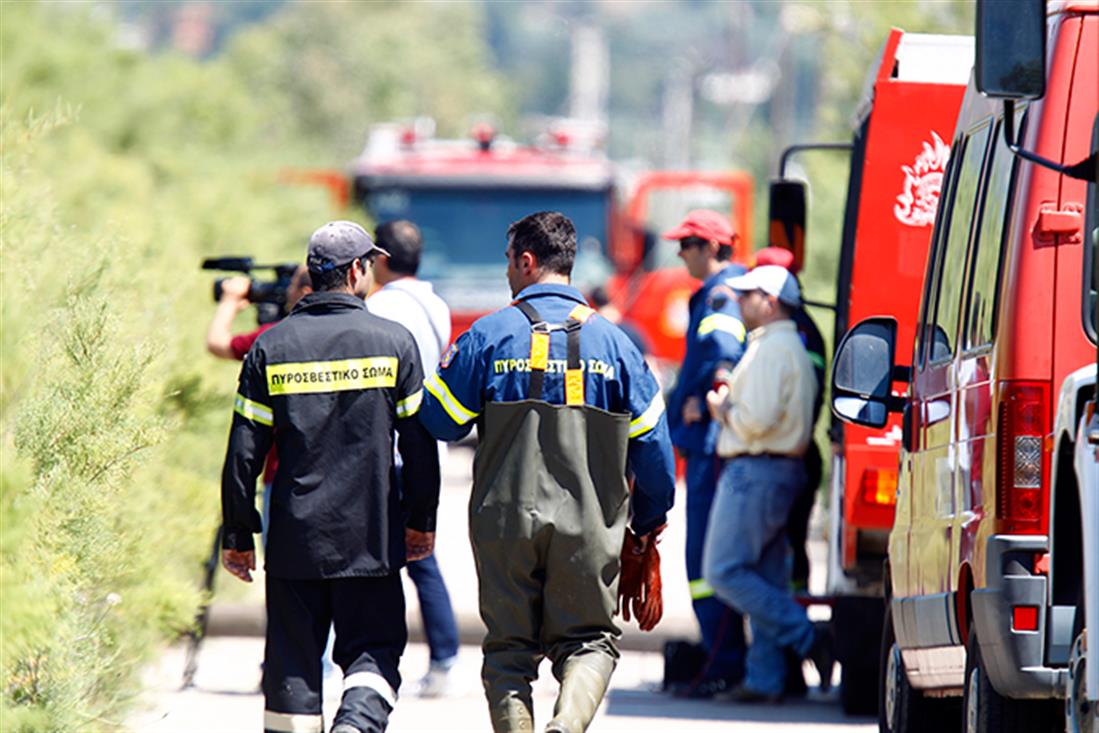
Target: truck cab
977,613
899,152
463,194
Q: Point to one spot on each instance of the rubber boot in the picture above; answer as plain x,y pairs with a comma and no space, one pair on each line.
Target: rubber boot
583,685
512,714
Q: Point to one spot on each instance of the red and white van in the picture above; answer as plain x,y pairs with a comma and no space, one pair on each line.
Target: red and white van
977,609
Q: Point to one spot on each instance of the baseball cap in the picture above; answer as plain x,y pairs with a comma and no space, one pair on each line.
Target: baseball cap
777,256
771,279
704,223
337,243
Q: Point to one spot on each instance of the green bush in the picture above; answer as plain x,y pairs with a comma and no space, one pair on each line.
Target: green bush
120,170
113,419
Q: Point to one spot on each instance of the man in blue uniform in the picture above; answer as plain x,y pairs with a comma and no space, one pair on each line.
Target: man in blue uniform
564,406
715,341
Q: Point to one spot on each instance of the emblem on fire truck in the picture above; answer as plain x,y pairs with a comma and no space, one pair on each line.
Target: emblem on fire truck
922,181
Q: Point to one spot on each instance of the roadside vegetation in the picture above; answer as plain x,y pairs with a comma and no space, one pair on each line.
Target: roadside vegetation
120,171
121,168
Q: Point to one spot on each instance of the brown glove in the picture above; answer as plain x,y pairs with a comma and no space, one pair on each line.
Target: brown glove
640,587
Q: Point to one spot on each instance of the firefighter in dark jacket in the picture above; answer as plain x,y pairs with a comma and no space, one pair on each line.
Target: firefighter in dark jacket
564,405
329,385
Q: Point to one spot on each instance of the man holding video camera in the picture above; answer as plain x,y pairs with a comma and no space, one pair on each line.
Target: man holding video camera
220,340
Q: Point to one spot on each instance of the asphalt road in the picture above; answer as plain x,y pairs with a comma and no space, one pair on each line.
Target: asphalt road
225,697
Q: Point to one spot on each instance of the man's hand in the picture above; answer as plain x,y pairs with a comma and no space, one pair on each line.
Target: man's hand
235,289
715,401
692,410
234,299
418,545
239,563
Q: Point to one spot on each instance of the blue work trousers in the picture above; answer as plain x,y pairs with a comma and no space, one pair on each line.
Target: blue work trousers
721,627
745,562
435,609
437,614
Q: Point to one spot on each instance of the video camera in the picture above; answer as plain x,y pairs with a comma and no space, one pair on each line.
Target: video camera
269,297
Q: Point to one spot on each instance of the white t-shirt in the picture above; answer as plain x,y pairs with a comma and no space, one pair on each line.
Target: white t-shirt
414,304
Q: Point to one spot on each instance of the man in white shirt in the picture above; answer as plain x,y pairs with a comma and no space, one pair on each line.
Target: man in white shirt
766,413
413,303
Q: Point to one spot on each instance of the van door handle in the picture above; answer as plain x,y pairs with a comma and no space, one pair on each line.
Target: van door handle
1059,226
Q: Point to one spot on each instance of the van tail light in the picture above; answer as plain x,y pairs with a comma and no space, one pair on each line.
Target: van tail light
1024,618
879,486
1022,481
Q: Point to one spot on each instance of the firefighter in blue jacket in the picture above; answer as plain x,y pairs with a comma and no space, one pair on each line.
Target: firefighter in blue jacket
564,406
715,341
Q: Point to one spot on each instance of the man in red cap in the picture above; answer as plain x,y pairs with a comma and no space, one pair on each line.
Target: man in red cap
715,341
797,526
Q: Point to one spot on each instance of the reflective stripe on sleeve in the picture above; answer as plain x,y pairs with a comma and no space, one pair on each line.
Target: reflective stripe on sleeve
293,723
253,411
457,411
373,681
724,323
817,359
700,589
410,405
647,420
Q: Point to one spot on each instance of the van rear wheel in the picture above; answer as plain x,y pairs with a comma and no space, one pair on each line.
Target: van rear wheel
901,707
987,711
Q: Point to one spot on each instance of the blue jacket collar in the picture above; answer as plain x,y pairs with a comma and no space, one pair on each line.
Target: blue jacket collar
724,274
564,291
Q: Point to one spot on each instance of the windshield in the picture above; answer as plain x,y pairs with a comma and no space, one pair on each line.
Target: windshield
465,234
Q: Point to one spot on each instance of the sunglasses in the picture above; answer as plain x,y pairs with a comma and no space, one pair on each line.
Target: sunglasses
688,242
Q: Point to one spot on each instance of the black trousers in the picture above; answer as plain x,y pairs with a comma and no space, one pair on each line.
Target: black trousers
369,616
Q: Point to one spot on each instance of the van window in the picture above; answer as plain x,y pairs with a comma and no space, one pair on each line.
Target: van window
944,327
934,256
989,245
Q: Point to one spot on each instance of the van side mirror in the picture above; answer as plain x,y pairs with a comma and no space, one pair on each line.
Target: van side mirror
1011,65
786,217
863,373
1011,49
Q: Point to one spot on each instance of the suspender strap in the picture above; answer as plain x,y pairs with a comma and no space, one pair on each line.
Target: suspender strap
574,372
539,348
539,351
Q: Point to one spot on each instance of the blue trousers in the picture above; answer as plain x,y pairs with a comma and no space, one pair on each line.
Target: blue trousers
721,626
435,609
746,561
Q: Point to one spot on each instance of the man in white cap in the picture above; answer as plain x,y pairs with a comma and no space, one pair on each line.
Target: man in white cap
766,412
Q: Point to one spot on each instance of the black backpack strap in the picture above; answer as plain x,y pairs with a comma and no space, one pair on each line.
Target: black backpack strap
539,348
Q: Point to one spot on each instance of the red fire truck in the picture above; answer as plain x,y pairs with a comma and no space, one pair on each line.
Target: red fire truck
900,148
463,194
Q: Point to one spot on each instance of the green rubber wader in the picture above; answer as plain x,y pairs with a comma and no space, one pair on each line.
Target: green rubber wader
547,517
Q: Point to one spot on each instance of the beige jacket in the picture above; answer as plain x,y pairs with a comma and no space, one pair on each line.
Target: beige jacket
769,408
